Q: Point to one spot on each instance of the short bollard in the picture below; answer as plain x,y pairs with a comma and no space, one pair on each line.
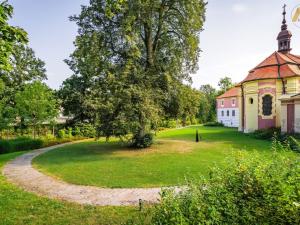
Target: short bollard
140,204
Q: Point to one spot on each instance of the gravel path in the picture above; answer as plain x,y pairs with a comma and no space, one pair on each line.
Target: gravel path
20,172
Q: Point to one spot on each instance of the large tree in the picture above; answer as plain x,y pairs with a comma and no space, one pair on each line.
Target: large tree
130,53
36,104
9,35
225,84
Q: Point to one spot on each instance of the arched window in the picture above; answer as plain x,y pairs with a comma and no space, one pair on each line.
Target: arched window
251,101
267,105
222,113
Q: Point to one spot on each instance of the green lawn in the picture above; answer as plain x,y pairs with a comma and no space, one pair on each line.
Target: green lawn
174,157
19,207
110,164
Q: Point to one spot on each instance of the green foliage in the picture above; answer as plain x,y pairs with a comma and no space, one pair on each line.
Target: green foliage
225,84
130,56
26,67
69,132
6,111
207,104
36,104
169,123
142,142
85,130
249,190
266,134
213,124
281,142
77,131
9,36
61,133
293,144
19,144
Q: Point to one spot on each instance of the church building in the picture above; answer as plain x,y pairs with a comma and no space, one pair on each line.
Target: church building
270,95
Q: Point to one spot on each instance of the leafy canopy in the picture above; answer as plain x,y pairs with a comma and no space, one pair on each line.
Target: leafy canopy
9,35
129,55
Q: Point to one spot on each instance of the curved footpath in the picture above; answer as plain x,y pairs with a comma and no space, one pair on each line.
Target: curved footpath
20,172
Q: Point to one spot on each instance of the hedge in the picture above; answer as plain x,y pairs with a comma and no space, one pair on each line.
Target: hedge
19,144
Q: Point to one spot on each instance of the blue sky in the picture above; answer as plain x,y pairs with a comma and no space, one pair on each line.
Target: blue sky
238,35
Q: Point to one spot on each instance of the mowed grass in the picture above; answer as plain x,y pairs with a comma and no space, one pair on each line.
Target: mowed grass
19,207
174,157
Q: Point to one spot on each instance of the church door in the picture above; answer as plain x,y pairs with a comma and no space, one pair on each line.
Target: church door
290,118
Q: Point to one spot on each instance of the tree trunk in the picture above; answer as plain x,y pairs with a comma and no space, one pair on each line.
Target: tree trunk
149,45
33,131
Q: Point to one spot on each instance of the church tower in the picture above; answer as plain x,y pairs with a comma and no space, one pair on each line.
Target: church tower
284,37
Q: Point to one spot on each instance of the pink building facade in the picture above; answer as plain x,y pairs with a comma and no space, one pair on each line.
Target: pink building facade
228,111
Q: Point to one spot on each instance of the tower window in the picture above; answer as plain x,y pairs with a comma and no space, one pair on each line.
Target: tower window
222,113
251,101
267,105
227,112
233,112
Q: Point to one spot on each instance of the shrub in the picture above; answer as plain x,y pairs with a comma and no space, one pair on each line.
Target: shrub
86,130
187,122
293,144
77,131
19,144
69,132
249,190
61,133
265,134
213,124
142,142
169,123
194,121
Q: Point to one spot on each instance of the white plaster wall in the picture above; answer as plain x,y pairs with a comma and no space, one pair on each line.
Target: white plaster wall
229,121
284,118
297,117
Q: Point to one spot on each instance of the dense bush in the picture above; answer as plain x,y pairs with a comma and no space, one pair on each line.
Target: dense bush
265,134
61,133
249,190
213,124
85,130
169,123
142,142
69,133
19,144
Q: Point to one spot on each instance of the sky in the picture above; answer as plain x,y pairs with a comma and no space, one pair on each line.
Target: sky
237,35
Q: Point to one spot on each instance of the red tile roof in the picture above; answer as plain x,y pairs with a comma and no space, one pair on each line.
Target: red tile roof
277,65
233,92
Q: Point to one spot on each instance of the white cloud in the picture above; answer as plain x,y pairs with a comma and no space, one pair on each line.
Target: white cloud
239,8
